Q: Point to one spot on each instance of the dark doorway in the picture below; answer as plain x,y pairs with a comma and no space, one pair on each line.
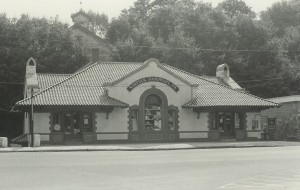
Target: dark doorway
72,126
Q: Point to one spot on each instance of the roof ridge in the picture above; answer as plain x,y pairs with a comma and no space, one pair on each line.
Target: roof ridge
243,92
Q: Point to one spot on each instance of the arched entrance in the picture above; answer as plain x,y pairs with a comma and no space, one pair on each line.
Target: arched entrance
153,108
153,119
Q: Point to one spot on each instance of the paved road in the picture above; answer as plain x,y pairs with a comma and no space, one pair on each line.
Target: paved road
276,168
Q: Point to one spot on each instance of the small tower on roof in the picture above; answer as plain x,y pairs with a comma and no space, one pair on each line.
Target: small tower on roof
81,18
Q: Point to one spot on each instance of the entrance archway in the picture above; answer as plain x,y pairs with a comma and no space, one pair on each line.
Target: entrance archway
153,110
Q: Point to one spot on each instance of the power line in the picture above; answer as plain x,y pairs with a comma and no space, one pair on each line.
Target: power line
214,50
41,39
14,83
4,110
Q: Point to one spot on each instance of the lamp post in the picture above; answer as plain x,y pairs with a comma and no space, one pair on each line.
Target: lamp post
31,83
31,120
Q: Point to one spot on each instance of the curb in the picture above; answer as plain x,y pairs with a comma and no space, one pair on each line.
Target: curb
112,148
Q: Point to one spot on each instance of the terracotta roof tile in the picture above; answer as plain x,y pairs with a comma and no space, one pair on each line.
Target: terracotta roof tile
86,88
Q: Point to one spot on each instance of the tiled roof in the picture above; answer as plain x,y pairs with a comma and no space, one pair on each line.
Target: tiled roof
85,87
212,91
209,95
191,78
46,80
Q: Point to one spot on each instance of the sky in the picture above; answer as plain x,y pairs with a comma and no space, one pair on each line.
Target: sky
64,8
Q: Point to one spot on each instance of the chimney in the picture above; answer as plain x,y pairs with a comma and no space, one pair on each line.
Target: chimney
223,72
95,55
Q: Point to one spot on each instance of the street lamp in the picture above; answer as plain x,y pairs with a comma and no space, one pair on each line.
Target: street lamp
31,83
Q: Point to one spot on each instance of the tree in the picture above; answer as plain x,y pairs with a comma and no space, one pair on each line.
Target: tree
235,8
50,42
282,15
196,37
99,23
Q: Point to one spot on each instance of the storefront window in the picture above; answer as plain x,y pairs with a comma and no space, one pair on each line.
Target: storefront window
221,121
134,120
153,118
87,122
56,122
255,122
68,124
237,120
171,120
225,121
213,121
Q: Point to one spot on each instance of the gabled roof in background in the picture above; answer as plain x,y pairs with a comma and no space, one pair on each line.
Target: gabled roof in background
89,33
85,87
284,99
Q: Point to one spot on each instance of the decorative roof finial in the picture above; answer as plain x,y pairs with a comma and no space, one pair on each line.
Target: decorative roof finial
81,5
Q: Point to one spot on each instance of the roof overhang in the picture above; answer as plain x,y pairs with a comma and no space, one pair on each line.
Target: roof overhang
66,108
223,108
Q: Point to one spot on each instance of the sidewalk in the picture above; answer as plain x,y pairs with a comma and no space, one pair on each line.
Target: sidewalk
151,146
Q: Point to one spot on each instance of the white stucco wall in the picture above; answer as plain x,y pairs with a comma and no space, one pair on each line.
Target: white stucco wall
187,118
42,125
188,121
117,122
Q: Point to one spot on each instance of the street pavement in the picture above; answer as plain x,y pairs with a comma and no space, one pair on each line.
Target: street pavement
252,168
151,146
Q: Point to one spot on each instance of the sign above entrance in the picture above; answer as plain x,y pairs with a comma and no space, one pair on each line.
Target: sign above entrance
152,79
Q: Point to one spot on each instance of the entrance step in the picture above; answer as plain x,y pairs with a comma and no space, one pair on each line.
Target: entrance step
228,140
73,142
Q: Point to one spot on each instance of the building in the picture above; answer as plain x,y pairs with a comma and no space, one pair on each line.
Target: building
283,122
140,102
98,48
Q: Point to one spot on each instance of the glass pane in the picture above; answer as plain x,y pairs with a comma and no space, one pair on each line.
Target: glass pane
56,123
76,119
171,120
237,120
153,113
134,120
221,120
68,124
87,122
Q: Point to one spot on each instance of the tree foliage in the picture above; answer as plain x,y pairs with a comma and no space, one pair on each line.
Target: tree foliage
50,42
99,24
196,37
262,52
